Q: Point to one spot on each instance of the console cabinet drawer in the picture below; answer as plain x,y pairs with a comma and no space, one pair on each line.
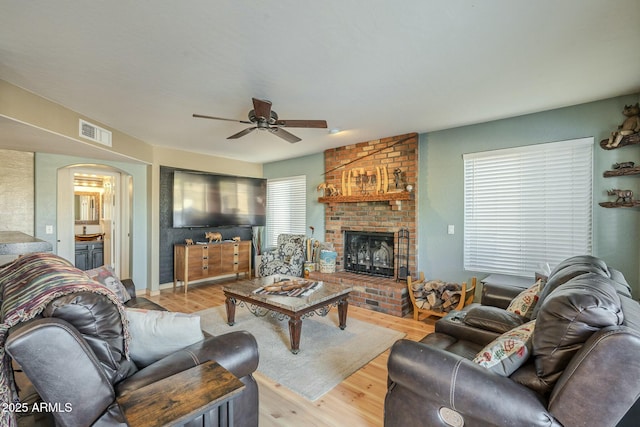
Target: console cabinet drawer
194,262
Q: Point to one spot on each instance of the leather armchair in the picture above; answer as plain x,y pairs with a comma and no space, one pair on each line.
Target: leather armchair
593,381
484,321
287,258
85,372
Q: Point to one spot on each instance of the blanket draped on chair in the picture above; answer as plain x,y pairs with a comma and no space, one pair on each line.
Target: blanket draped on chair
27,286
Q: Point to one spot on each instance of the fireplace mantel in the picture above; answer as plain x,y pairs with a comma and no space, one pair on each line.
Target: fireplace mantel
402,195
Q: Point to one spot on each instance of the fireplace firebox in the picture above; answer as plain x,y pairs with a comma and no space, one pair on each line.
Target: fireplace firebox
369,253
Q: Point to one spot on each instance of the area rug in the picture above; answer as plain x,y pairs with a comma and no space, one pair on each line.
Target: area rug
327,354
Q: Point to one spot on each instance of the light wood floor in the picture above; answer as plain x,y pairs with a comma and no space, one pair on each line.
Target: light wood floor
357,401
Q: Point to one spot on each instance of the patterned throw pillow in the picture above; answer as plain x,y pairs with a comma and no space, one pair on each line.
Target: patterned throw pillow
509,351
526,300
107,277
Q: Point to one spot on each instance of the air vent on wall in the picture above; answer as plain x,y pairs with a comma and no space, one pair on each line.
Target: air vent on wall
95,133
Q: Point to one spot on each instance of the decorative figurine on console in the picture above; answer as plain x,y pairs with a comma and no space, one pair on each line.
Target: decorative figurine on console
630,126
213,236
623,195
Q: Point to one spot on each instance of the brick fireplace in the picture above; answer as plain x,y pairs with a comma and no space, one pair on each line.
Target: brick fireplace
369,209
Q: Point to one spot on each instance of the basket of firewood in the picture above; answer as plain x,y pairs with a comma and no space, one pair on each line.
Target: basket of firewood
437,295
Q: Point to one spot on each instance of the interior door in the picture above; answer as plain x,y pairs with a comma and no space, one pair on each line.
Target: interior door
65,237
109,220
126,204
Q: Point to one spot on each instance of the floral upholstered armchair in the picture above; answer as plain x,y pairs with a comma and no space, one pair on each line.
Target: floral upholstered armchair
287,258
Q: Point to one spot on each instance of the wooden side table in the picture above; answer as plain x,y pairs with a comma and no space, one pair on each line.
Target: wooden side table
177,399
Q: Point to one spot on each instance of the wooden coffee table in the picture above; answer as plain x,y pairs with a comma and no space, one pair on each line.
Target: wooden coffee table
318,302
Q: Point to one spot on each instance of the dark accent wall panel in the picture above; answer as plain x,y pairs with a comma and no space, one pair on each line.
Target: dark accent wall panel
170,236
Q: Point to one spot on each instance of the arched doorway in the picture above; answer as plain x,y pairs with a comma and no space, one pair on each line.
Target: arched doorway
94,205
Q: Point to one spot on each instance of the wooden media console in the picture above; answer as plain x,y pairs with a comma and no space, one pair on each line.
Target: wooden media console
203,261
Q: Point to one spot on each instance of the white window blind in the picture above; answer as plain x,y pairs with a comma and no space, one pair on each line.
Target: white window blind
286,207
527,206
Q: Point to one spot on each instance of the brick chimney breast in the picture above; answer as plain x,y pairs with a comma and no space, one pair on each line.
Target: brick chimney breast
393,153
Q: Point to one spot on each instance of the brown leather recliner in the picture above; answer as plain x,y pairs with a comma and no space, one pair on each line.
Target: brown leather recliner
583,370
485,321
73,355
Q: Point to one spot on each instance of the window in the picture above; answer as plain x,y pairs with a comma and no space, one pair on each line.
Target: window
528,206
286,207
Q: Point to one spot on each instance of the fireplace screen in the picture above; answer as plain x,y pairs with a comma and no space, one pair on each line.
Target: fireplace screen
369,253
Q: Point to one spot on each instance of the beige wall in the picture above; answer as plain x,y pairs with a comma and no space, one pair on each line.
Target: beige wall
197,161
26,107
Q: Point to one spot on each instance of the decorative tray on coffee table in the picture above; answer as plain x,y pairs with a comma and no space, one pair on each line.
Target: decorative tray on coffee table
289,288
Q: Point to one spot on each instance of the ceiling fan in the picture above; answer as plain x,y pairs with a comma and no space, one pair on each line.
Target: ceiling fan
264,118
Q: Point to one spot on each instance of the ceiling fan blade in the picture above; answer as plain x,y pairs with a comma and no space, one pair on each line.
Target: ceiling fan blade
200,116
302,123
287,136
241,133
262,108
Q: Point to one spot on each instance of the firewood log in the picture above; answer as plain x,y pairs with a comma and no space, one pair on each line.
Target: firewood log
423,304
419,286
432,299
451,302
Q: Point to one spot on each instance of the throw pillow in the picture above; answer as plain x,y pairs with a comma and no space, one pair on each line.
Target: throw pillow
156,334
509,351
526,300
107,277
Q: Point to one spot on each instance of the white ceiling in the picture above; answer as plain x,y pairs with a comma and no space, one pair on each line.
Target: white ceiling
371,68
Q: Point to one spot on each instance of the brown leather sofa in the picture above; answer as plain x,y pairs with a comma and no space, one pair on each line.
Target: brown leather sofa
583,369
73,355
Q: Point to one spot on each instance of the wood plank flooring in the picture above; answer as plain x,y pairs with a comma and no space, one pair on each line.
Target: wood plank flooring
356,402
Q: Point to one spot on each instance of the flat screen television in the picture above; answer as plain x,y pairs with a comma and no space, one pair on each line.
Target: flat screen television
208,200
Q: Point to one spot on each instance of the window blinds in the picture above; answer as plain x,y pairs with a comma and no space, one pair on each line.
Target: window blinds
286,207
528,206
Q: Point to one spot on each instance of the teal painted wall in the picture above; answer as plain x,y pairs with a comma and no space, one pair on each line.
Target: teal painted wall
46,181
440,197
313,167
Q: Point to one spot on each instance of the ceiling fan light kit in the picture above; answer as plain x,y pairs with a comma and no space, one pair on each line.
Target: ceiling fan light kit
264,118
